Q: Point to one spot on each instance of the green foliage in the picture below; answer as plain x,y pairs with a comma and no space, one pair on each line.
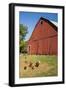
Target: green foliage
23,46
22,43
23,31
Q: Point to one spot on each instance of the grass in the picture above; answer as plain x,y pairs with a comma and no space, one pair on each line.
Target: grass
48,66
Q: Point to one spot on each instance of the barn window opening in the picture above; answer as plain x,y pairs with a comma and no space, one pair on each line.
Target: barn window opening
29,47
41,22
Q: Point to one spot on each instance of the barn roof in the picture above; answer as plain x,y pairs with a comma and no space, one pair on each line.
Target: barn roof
46,20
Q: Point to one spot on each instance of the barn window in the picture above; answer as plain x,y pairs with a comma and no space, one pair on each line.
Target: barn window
29,48
41,22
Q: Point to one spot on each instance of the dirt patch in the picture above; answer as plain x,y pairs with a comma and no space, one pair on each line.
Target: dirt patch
28,67
26,71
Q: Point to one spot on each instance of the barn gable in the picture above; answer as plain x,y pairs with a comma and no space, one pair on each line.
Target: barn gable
42,31
43,39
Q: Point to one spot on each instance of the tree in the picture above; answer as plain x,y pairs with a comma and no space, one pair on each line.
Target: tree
23,46
23,31
22,43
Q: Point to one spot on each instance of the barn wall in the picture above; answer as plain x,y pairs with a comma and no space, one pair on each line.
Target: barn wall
43,40
53,46
42,31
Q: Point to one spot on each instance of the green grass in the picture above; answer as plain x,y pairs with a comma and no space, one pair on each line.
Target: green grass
50,60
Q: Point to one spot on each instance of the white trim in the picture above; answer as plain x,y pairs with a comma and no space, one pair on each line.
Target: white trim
38,79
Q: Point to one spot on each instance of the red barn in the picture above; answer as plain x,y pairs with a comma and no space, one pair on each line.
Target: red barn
43,40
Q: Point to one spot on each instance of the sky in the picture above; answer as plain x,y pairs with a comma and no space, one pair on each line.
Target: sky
30,19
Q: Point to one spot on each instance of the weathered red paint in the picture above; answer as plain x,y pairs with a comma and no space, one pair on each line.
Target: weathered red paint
43,40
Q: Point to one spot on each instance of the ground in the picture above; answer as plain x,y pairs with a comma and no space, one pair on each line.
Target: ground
48,66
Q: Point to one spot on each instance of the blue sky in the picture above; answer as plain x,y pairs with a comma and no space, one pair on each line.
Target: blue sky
30,19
